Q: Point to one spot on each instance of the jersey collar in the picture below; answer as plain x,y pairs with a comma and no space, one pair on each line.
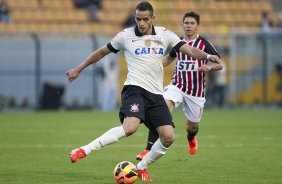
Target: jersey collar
137,33
187,40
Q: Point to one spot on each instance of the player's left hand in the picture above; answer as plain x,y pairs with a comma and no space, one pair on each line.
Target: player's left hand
204,68
213,58
72,74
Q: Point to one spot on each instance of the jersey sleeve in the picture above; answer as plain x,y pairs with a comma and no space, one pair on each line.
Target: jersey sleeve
172,53
117,42
174,41
172,38
210,49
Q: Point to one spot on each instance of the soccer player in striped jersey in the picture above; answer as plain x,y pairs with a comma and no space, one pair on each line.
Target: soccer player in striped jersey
144,47
187,87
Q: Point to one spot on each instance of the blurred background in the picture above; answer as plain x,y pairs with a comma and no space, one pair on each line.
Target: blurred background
41,39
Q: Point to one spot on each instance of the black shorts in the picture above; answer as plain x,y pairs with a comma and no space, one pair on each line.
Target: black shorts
150,108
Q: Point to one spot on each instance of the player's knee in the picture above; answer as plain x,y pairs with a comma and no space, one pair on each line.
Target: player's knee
129,130
130,125
167,139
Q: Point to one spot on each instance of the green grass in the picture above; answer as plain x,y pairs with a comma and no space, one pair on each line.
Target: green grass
234,147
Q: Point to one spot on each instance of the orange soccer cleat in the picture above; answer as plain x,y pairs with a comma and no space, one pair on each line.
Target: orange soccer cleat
141,155
77,154
193,146
143,175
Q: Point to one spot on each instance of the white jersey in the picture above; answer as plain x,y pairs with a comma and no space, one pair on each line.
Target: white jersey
144,56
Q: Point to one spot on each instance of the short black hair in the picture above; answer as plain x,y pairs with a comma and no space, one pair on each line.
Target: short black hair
192,14
145,5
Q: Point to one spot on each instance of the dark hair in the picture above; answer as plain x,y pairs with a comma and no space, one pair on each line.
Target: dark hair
192,14
145,5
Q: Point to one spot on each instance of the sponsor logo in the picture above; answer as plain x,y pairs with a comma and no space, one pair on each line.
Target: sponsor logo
184,65
158,40
149,51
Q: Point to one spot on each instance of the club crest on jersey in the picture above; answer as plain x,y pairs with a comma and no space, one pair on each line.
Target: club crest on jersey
134,107
149,51
147,43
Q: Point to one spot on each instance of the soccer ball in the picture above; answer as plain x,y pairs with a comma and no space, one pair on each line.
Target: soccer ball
125,172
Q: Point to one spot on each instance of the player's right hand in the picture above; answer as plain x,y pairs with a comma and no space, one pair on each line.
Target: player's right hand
213,58
72,74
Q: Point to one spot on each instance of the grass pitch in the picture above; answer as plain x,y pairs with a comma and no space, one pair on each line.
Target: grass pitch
234,147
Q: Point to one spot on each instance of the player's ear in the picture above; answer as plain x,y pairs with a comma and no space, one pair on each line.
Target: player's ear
153,17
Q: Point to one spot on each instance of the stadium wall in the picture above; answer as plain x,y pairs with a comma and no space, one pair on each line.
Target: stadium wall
28,61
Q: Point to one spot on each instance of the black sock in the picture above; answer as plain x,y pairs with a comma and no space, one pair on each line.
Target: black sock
192,133
152,138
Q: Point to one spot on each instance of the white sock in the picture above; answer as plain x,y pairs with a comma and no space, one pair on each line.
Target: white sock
109,137
156,152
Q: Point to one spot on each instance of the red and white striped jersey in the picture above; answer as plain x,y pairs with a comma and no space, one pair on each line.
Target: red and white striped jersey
186,75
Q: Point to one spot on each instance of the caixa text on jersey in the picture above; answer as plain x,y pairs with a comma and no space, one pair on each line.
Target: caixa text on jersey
149,50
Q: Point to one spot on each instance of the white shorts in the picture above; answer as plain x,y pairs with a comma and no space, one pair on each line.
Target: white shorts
191,106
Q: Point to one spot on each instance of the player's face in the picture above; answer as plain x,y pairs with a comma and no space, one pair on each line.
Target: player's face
190,27
144,21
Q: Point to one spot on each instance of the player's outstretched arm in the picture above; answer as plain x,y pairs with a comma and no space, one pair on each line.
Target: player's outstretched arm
92,58
198,54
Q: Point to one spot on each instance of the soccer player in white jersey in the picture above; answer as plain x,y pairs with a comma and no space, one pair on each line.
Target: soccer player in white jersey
144,47
187,87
